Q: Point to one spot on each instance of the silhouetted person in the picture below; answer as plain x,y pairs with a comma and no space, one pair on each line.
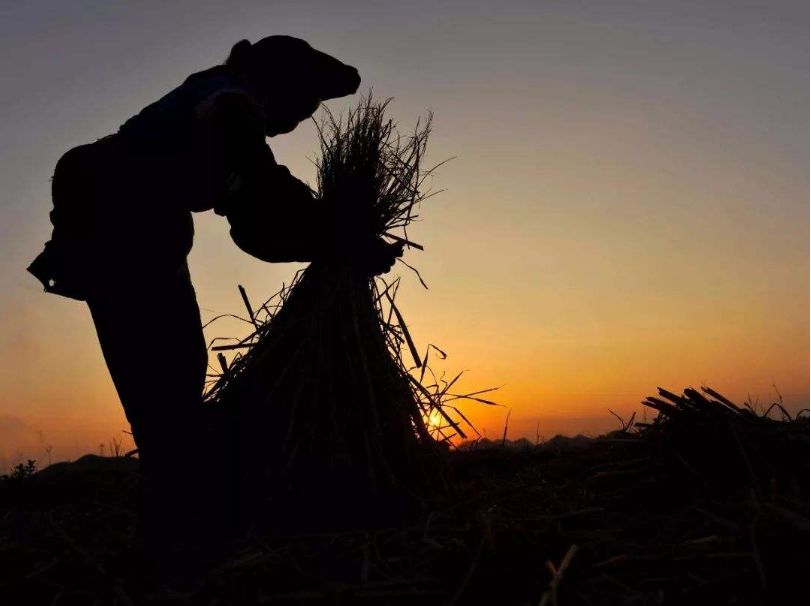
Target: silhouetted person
123,227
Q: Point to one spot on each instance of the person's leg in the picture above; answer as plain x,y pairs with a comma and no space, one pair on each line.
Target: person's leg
153,343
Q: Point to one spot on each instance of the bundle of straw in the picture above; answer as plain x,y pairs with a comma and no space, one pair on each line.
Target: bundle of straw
322,402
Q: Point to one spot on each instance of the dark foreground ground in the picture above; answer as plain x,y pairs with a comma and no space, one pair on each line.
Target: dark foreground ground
707,506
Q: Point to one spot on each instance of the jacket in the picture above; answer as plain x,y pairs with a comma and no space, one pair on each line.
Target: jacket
122,205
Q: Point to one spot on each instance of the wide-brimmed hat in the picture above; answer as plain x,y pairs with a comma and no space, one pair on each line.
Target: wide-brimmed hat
296,61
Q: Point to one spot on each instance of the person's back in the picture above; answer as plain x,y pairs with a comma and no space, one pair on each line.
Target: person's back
122,205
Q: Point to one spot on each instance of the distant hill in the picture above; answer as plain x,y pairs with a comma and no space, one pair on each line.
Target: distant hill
559,442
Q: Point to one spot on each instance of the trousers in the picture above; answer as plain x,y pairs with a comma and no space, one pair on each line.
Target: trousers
152,340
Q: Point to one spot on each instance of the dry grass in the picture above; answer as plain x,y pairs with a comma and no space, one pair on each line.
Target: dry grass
711,508
329,390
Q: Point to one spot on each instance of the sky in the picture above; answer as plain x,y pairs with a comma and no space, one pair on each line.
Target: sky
627,206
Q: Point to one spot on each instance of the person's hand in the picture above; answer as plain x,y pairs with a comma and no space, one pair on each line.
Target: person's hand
379,256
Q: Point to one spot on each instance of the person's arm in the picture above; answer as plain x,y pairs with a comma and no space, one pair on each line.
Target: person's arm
281,221
273,216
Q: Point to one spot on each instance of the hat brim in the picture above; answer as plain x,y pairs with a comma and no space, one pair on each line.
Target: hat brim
333,78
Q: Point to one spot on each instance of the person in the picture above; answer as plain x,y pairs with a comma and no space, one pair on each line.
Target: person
122,227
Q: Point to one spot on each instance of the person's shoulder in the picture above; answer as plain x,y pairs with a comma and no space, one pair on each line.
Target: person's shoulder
218,73
224,94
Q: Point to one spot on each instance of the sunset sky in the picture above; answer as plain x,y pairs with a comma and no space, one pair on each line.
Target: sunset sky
627,207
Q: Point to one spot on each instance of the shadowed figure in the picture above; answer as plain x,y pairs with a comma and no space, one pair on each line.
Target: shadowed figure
123,229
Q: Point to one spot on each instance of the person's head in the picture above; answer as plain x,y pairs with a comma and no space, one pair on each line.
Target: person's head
291,78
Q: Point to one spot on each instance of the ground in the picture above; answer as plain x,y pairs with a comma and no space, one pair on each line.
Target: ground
711,509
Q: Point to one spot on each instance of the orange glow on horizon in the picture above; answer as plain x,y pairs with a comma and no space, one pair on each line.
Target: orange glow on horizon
627,207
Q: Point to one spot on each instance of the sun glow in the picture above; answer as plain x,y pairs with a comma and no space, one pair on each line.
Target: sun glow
435,423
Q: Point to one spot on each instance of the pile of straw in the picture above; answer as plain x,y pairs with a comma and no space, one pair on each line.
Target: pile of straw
319,401
678,511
